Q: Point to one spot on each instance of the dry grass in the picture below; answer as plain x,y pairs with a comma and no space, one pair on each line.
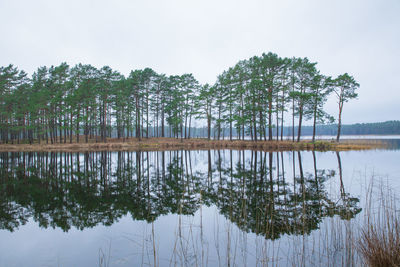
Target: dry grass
379,241
154,144
380,246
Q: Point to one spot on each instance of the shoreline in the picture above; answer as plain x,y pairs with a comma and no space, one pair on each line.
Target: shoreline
155,144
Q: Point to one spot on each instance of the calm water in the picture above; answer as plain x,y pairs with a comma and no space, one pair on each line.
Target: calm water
185,208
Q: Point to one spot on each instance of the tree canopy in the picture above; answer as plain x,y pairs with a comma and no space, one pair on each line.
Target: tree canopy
254,99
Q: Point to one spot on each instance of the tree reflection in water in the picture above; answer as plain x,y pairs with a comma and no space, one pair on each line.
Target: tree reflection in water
252,189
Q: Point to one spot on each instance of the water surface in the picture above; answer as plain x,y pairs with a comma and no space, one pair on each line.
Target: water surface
184,208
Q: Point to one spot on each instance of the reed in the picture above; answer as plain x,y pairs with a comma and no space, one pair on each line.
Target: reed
379,240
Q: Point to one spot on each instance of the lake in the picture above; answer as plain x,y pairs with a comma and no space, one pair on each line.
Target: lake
188,208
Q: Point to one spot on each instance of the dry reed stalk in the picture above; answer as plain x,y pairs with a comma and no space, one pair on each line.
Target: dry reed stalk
379,241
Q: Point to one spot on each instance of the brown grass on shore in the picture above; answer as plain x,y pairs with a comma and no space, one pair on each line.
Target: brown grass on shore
149,144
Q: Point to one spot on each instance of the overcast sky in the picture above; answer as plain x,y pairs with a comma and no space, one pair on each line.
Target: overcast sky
205,37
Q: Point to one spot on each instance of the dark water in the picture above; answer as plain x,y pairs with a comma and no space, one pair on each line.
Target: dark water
184,208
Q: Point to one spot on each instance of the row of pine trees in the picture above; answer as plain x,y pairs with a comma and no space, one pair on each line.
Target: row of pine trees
63,104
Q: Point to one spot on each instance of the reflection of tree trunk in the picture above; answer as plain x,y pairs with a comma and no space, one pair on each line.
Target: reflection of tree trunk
209,168
190,165
315,167
262,168
230,189
71,163
138,170
316,181
157,164
304,210
61,167
243,161
340,175
271,197
104,168
148,183
163,165
303,193
231,164
255,171
277,170
201,230
270,171
219,167
284,182
86,170
78,165
300,167
187,173
294,173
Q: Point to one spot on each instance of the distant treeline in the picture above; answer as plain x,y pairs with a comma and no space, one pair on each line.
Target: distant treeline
60,103
387,127
377,128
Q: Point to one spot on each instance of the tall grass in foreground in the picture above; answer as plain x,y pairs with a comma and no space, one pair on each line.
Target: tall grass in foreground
379,240
372,239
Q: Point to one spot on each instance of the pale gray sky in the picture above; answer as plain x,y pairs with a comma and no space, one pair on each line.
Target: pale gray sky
205,37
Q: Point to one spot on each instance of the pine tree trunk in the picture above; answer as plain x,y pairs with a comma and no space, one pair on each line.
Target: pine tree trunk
339,122
77,127
300,122
70,130
314,123
270,114
293,120
162,123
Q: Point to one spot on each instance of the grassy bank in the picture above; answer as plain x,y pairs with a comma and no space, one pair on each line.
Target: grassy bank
152,144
